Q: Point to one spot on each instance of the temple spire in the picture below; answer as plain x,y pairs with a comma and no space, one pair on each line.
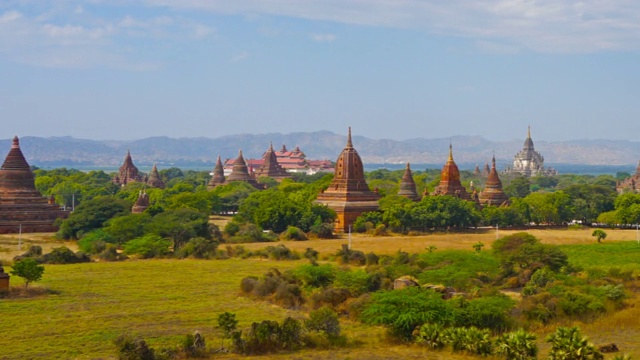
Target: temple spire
16,143
529,132
349,143
450,151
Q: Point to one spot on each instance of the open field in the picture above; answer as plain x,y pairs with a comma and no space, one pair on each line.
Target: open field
162,300
9,244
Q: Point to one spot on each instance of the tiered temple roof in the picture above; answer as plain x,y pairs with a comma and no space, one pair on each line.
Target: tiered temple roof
270,166
450,180
22,207
154,179
408,185
493,194
141,204
240,172
218,175
348,194
528,162
630,184
127,172
486,170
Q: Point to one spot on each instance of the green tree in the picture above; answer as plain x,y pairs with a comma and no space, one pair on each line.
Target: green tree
92,214
148,246
519,187
228,324
29,270
179,225
599,234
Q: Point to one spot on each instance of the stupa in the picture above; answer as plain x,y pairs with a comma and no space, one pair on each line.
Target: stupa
240,172
348,194
492,193
486,170
408,185
22,207
127,172
141,204
450,180
154,179
528,162
270,166
218,175
476,171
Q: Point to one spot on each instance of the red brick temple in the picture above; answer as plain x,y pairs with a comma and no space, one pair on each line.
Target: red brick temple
240,172
154,179
141,204
270,166
408,185
218,175
127,172
493,194
348,194
450,180
22,207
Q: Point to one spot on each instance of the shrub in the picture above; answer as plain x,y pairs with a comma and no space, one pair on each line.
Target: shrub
28,269
322,231
293,233
232,228
95,241
148,246
315,276
64,255
489,312
289,296
380,230
110,253
357,282
281,252
324,320
311,254
371,259
33,251
518,345
431,335
133,348
568,343
248,284
331,297
199,248
193,345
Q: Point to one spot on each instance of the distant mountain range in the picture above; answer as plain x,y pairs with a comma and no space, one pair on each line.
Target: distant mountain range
201,152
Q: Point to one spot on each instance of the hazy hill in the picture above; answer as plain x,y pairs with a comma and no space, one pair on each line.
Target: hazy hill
200,151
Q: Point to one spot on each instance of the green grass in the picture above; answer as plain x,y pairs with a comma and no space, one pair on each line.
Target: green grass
622,254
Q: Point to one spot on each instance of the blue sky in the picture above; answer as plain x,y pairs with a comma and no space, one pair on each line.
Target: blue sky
394,69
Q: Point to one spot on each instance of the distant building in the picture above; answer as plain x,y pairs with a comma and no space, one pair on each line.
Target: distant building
528,162
630,184
492,193
127,172
450,180
291,161
408,185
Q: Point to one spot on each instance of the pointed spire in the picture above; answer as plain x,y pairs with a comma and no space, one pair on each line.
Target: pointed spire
16,143
349,142
450,151
408,185
529,132
271,146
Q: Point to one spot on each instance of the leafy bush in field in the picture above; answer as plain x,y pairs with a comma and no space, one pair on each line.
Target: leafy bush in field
199,248
281,252
148,246
269,336
322,231
64,255
568,343
488,312
462,270
324,320
431,336
95,241
403,310
251,233
331,297
518,345
293,233
288,296
357,281
129,347
315,276
193,345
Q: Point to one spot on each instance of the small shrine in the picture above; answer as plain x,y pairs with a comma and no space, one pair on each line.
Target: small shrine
493,194
127,172
408,185
218,175
450,180
348,194
141,204
154,179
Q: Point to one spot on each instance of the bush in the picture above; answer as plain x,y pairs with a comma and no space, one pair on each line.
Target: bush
330,297
148,246
490,312
110,253
289,296
518,345
281,252
322,231
193,345
380,230
357,282
293,233
64,255
133,348
34,251
431,335
315,276
199,248
568,343
324,320
95,241
269,336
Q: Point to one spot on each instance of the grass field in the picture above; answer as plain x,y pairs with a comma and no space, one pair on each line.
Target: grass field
162,300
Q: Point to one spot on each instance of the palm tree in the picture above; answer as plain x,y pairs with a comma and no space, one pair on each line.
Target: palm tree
518,345
569,344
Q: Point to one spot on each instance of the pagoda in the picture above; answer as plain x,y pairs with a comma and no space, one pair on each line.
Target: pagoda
528,162
127,172
486,170
218,175
154,179
240,172
450,180
141,204
22,207
270,166
348,194
493,194
476,171
408,185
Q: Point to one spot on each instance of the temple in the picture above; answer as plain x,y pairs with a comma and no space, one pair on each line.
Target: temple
493,194
486,170
22,207
218,176
408,185
154,179
348,194
291,161
127,172
631,183
240,172
450,180
141,204
528,162
270,166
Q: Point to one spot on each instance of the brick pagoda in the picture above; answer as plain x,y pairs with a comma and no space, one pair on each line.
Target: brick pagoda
154,179
141,204
127,172
348,194
450,180
22,207
408,185
240,172
218,175
493,194
270,166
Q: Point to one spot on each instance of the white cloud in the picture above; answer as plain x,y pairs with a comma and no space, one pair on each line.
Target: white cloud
324,38
240,57
561,26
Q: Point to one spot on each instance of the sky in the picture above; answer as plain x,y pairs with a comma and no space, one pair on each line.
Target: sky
391,69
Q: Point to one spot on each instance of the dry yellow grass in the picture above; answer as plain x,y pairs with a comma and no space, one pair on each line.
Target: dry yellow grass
9,244
464,241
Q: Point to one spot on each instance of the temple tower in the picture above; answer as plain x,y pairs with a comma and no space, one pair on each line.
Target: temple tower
154,179
348,194
408,185
270,166
476,171
493,194
127,172
528,162
486,170
22,207
141,204
240,172
218,175
450,180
